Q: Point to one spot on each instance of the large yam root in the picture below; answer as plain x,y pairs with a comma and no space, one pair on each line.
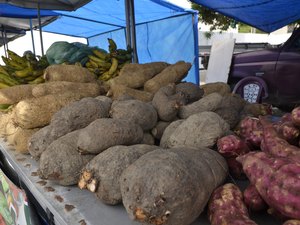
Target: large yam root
106,132
61,162
14,94
191,91
101,175
226,206
154,184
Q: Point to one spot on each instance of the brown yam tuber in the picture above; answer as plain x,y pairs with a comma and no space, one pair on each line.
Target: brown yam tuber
106,168
199,130
71,73
135,75
106,132
168,131
192,91
226,206
253,200
14,94
230,115
167,102
117,90
276,180
37,112
5,118
208,103
218,87
135,111
148,139
61,162
55,87
171,187
174,73
234,101
159,129
256,110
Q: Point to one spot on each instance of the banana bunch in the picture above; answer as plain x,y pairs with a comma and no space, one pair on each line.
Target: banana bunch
22,69
107,65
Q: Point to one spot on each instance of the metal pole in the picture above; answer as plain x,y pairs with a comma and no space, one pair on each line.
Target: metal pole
32,38
3,39
128,33
40,28
133,33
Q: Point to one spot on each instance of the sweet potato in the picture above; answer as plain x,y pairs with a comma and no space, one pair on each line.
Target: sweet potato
72,73
105,169
135,75
192,91
167,102
174,73
232,146
226,206
275,145
61,162
171,187
292,222
276,180
135,111
14,94
117,90
208,103
106,132
235,169
253,200
295,114
288,131
201,129
55,87
251,130
37,112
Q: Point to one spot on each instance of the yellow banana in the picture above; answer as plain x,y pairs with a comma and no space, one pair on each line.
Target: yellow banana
24,72
100,54
114,66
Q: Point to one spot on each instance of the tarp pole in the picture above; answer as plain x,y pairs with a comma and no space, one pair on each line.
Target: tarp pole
133,33
3,39
40,28
128,33
196,48
5,42
32,38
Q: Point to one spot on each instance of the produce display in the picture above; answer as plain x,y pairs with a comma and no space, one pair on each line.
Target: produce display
139,135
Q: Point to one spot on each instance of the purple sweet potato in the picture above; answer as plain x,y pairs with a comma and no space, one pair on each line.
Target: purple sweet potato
288,131
276,180
171,187
101,175
292,222
235,168
232,146
253,200
296,116
226,206
275,145
250,129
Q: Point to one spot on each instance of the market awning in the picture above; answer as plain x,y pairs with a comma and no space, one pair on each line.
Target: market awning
266,15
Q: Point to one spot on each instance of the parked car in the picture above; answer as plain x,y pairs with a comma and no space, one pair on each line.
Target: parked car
278,67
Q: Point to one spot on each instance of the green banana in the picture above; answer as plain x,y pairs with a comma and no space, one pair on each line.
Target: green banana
24,72
12,64
10,81
3,85
112,46
37,80
16,58
3,70
100,54
114,66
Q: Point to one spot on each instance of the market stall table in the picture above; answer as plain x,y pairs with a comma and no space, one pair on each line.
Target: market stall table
70,205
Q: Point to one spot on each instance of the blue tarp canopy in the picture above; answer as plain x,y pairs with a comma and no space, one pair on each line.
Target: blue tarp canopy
164,32
266,15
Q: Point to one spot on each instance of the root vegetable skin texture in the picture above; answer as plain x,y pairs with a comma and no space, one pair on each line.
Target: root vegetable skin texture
167,102
171,187
276,180
235,169
253,200
288,131
192,91
106,132
106,168
232,146
296,116
226,206
292,222
250,129
275,145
